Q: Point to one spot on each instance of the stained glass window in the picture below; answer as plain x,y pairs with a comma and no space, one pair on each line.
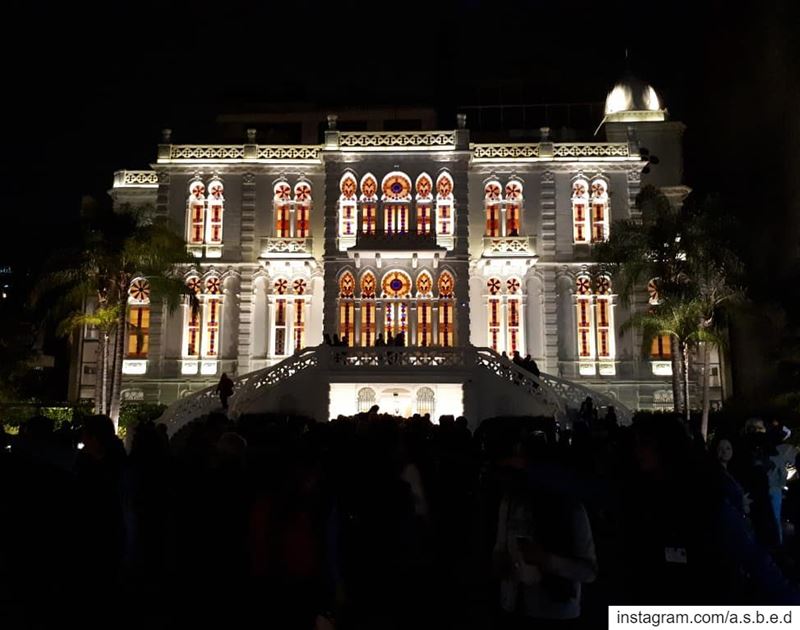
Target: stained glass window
446,323
580,214
513,207
197,211
347,205
368,323
216,202
396,189
299,328
347,285
368,285
280,326
424,284
424,324
492,200
282,202
193,316
302,211
138,318
583,288
600,219
396,284
426,401
446,284
444,204
513,307
424,189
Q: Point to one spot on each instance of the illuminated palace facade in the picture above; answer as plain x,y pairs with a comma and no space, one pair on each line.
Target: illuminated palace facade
370,235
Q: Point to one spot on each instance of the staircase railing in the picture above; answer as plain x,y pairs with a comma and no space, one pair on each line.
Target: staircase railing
574,394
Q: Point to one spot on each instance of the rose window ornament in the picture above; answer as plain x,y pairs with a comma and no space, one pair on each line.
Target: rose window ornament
494,286
140,290
213,286
281,286
193,284
583,285
299,286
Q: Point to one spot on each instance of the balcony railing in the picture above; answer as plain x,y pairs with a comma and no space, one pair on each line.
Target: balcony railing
504,246
288,247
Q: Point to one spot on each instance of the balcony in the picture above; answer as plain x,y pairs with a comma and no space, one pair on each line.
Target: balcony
509,246
404,245
273,247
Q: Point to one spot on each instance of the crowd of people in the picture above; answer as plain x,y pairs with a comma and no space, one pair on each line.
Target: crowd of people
374,521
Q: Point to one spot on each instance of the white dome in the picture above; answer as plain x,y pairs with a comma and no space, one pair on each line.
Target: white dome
633,99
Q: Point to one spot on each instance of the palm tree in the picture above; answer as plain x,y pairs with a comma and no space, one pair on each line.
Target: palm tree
116,247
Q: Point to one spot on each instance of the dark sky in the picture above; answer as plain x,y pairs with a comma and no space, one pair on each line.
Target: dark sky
87,91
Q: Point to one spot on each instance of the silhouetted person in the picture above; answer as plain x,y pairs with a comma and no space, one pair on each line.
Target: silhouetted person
379,342
400,339
336,341
531,366
225,390
345,341
326,339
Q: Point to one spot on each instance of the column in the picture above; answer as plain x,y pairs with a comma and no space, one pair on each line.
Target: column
246,302
412,324
434,323
270,333
248,216
547,244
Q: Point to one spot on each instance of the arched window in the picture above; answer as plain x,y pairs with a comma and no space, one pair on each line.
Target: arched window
580,211
282,201
444,209
216,203
661,346
347,207
492,195
446,287
369,204
396,197
513,207
299,287
600,219
196,211
424,189
424,309
302,209
280,289
366,399
426,401
396,287
138,319
368,313
514,317
585,320
604,319
347,287
192,328
213,315
493,286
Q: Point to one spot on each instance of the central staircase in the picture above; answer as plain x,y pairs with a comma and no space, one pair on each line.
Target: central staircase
302,381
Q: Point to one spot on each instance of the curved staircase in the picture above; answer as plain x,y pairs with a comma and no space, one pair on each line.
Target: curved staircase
548,395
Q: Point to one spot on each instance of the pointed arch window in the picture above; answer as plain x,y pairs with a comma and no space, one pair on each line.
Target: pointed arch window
369,204
347,285
302,209
600,218
493,199
424,190
213,315
369,321
196,211
595,321
396,287
604,319
299,286
585,319
661,346
581,228
444,209
216,207
424,309
138,319
282,200
426,401
513,207
366,399
396,197
347,206
446,287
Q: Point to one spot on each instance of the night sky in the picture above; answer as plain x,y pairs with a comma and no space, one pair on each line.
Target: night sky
87,91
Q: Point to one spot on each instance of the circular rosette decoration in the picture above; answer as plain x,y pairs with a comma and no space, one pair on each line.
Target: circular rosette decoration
579,189
300,286
492,191
213,286
583,285
281,286
197,189
302,192
282,191
396,284
598,188
493,285
194,285
603,285
513,285
513,191
140,290
396,187
215,189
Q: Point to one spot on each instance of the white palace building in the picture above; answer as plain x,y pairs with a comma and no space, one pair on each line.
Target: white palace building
468,249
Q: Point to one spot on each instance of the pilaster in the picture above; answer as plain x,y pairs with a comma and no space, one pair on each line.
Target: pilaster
547,243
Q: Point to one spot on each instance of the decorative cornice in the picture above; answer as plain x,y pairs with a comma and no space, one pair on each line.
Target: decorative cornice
136,179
